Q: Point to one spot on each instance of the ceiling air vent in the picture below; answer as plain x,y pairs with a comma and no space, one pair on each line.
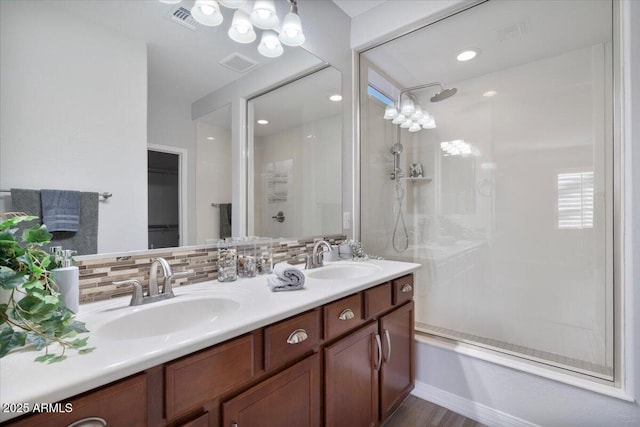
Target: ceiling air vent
183,17
238,63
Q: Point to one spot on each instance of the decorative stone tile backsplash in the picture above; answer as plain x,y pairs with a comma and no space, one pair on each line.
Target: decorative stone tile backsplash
97,273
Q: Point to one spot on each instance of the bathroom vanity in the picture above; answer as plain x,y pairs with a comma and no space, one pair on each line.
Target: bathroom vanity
338,352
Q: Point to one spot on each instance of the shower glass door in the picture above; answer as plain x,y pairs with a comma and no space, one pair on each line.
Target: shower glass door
511,215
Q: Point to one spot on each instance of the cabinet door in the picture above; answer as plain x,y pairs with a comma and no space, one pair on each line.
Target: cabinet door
290,398
397,372
351,379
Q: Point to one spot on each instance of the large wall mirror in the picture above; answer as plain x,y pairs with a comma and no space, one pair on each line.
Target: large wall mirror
89,88
295,146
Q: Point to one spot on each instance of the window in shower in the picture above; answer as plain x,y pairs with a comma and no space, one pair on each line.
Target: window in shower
575,200
513,221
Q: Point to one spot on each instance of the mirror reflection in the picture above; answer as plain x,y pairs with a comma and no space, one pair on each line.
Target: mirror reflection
295,137
88,88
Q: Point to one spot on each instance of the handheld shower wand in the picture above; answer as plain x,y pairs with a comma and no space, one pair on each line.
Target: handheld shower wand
397,171
397,175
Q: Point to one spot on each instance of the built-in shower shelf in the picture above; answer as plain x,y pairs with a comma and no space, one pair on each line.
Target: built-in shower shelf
418,179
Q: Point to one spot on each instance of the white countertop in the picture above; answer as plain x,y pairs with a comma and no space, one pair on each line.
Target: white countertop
23,380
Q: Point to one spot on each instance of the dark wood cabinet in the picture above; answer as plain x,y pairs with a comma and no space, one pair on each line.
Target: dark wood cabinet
351,379
397,377
123,403
290,398
347,363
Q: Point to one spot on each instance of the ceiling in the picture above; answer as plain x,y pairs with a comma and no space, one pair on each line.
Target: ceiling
181,61
354,8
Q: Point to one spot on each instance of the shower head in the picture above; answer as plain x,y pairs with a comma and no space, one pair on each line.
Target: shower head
444,94
396,149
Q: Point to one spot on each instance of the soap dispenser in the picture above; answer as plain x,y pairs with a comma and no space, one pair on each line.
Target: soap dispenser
67,279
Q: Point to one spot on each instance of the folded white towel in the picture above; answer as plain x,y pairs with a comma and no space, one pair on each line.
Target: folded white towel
286,278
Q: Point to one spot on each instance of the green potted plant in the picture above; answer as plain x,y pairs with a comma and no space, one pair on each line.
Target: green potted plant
33,316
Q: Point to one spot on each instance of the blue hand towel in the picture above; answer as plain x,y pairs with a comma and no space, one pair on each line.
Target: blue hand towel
287,278
60,210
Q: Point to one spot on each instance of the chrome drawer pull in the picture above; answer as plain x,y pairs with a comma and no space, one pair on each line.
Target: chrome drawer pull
347,314
387,358
379,356
406,288
297,336
89,422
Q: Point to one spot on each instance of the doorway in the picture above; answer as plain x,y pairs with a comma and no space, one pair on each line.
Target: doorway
163,172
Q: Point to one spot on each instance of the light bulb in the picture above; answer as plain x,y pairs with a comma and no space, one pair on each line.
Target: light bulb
232,4
264,15
417,114
407,107
270,45
291,33
390,112
207,12
431,124
415,127
406,124
399,119
241,29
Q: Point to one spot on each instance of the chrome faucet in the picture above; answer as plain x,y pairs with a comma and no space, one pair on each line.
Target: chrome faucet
154,293
315,260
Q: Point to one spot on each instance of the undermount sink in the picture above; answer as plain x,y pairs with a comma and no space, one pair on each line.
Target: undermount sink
168,317
343,271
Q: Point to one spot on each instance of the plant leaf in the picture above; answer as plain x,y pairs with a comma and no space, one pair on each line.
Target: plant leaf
10,339
33,284
38,341
10,279
16,220
3,313
37,234
59,358
86,350
45,357
77,326
80,342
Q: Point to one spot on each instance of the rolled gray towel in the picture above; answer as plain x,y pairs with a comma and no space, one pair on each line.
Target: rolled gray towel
286,278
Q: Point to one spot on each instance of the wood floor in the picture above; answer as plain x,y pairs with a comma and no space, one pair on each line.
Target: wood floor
416,412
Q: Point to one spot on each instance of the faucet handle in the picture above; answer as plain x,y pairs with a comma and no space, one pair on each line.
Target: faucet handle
136,298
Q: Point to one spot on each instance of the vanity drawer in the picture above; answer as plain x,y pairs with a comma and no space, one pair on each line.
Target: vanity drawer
342,315
377,300
403,289
291,338
120,404
204,376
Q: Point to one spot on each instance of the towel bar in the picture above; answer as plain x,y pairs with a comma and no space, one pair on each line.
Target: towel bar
104,195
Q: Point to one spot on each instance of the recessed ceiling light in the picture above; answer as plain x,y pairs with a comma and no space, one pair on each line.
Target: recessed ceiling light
467,55
335,98
210,138
263,122
489,93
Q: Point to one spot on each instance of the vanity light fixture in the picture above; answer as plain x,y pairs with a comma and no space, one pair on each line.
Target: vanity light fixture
467,55
291,33
263,15
411,115
489,93
270,45
241,29
263,122
207,12
335,98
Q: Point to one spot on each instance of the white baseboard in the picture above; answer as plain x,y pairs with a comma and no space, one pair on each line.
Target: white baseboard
470,409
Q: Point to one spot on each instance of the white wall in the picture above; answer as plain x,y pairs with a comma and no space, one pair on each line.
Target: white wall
500,395
313,202
213,180
169,124
74,98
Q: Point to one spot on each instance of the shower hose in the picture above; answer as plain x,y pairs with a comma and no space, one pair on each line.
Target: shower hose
403,245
